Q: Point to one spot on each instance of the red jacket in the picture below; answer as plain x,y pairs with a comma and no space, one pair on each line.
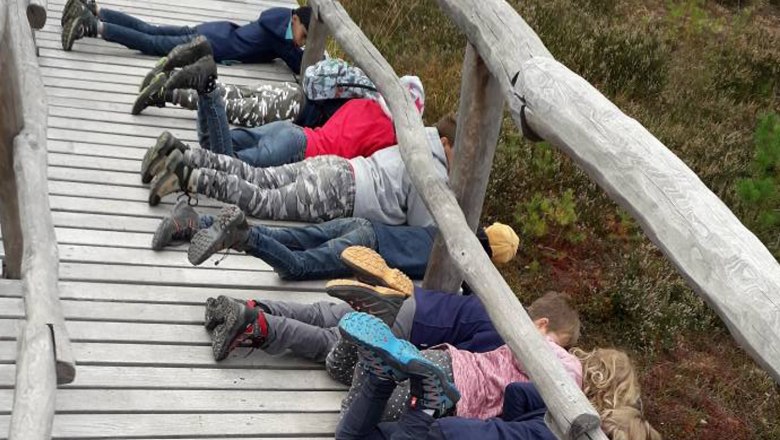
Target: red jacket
358,128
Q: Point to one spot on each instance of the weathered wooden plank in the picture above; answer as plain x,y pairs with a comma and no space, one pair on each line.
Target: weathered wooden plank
97,163
95,176
162,10
103,222
143,139
148,131
194,276
152,378
80,103
122,118
117,207
572,411
155,294
187,401
479,122
122,332
89,353
142,425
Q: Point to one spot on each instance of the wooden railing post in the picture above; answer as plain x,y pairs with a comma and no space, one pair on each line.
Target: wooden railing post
315,41
479,122
10,125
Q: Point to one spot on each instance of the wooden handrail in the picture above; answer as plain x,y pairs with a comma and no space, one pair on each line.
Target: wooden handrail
572,413
45,357
721,259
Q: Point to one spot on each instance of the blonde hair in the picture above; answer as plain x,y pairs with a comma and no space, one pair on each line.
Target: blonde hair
562,319
610,383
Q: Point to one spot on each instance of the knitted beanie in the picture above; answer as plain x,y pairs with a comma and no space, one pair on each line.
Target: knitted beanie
503,242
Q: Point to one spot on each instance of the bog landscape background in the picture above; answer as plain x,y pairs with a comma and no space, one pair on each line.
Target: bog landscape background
703,77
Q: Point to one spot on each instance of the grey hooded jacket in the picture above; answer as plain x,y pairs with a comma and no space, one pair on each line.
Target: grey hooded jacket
383,190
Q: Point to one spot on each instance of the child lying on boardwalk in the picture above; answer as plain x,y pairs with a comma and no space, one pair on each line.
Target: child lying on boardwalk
387,362
358,127
313,252
277,33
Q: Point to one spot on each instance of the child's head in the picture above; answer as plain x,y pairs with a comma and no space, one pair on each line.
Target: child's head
555,318
500,242
300,24
447,127
610,383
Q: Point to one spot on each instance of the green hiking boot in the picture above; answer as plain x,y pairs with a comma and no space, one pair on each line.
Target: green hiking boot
172,179
201,76
155,157
180,226
83,25
73,8
229,230
155,94
180,56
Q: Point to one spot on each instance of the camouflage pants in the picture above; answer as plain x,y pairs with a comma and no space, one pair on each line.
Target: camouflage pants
251,106
314,190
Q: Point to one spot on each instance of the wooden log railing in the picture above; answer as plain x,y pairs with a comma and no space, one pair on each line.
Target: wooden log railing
572,414
36,13
721,259
45,357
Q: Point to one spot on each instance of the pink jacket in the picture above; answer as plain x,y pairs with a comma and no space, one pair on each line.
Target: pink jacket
482,377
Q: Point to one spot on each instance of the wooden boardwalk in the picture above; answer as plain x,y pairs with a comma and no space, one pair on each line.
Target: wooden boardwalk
135,316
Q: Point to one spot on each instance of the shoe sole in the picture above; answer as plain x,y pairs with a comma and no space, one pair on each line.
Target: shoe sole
68,34
204,244
213,317
162,234
162,185
156,70
366,299
68,11
371,268
226,331
154,87
174,61
371,334
154,161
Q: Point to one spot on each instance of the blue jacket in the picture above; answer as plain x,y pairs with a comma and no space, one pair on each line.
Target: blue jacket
260,41
405,247
522,419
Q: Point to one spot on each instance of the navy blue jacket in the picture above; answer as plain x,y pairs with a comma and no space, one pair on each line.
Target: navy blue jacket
260,41
405,247
522,419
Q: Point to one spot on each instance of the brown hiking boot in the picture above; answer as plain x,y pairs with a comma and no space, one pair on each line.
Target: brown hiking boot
371,268
382,302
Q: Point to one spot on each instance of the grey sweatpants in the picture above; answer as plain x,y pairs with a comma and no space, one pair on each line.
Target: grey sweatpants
309,330
317,189
251,106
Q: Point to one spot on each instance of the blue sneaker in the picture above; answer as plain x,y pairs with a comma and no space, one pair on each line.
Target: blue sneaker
391,358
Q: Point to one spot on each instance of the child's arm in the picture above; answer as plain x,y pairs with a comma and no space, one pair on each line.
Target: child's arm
290,54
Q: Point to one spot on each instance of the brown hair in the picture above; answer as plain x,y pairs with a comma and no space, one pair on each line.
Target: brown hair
563,319
447,126
610,383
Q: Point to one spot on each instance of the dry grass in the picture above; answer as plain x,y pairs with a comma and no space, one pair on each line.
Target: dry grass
695,73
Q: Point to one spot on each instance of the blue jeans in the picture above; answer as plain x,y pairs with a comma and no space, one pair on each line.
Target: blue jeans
361,419
270,145
131,32
310,252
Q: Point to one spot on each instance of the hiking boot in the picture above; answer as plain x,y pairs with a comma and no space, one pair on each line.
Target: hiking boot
73,8
230,229
155,157
201,76
241,324
388,357
371,268
155,94
180,226
180,56
214,314
84,24
382,302
172,179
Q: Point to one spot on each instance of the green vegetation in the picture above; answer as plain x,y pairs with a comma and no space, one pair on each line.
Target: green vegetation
697,74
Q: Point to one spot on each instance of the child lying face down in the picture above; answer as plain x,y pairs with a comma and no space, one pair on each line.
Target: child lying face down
388,361
313,252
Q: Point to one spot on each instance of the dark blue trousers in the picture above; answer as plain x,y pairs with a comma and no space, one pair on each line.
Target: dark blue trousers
133,33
